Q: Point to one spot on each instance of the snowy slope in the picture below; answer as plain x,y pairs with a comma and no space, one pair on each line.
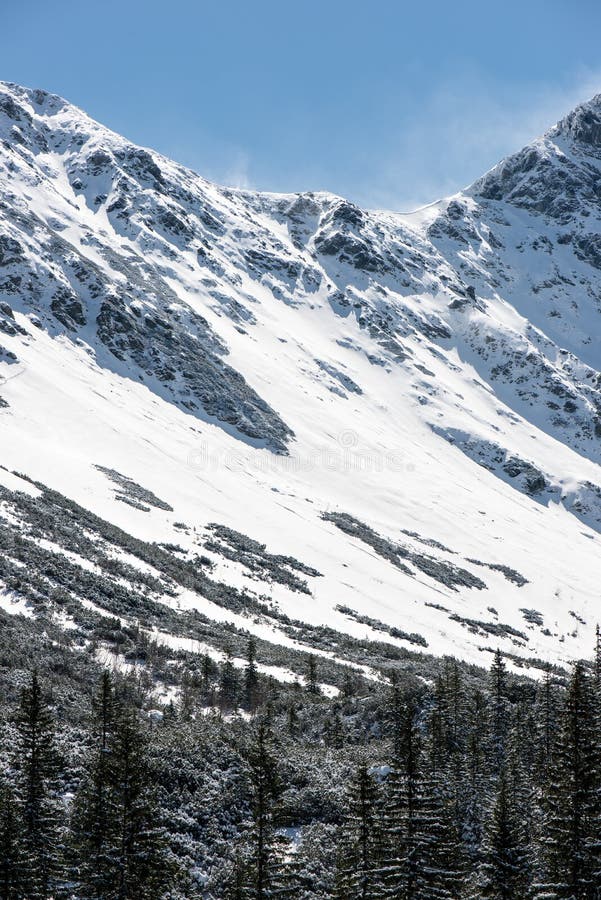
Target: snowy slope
409,406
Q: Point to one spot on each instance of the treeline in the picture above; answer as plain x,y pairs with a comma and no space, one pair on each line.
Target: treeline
464,788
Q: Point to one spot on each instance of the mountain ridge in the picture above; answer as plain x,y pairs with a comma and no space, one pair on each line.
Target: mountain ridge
404,397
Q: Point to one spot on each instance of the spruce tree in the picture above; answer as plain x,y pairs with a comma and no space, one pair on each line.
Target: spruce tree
447,736
95,816
429,861
293,720
498,711
144,868
569,844
476,773
119,846
345,885
312,682
447,718
11,836
208,673
546,718
251,677
402,857
593,841
37,764
235,884
394,715
520,770
438,727
188,697
396,823
439,851
228,683
359,848
503,873
265,788
363,823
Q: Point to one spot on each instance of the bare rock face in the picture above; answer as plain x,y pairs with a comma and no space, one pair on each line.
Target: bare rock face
121,302
583,124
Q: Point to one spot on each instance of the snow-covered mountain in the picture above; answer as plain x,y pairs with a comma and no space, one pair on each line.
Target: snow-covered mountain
334,428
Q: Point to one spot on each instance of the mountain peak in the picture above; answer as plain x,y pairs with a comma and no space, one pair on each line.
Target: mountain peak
582,124
548,177
40,100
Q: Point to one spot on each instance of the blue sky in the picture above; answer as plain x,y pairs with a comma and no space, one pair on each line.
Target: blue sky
389,103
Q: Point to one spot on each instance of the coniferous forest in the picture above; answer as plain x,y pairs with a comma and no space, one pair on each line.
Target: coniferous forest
471,784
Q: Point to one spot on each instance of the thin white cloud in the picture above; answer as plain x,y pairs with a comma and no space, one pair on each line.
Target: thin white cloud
462,131
237,172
